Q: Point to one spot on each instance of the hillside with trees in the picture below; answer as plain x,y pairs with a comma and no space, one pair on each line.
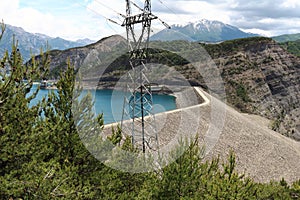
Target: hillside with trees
287,37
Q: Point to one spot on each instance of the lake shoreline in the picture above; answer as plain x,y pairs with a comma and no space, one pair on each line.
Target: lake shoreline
110,102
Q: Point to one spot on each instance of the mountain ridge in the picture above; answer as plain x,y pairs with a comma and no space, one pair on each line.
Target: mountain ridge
201,30
287,37
32,43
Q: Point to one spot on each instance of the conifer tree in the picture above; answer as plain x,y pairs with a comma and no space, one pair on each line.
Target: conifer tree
17,118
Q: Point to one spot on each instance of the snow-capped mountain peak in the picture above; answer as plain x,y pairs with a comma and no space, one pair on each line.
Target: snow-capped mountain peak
201,30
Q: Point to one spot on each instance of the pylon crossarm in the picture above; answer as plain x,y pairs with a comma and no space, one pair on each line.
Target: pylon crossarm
139,18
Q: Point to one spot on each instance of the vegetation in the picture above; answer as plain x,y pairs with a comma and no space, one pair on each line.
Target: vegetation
43,157
238,97
292,47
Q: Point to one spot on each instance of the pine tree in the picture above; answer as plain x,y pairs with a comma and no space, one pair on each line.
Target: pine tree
17,117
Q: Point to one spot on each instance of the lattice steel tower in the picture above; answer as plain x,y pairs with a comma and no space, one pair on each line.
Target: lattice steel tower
138,101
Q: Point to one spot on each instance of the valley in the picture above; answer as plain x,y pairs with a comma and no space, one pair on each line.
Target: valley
260,77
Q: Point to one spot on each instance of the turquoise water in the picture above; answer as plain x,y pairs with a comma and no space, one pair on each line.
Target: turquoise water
110,103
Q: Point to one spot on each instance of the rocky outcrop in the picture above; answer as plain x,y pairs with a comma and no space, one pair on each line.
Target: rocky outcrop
264,79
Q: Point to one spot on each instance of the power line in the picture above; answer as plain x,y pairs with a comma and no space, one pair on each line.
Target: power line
120,14
168,7
99,2
106,18
165,6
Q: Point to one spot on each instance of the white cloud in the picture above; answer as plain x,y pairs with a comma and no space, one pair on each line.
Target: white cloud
73,20
6,7
68,26
258,31
291,4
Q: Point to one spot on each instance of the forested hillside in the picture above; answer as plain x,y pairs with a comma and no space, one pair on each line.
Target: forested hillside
287,37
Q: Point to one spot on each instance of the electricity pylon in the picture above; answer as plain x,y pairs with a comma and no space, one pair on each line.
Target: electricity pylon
138,117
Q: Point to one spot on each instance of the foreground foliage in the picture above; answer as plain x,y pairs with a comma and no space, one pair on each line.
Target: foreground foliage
43,157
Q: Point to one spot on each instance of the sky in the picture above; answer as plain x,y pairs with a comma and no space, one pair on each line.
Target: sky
79,19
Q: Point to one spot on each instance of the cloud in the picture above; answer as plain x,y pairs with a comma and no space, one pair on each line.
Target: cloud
273,17
270,17
74,19
181,11
69,20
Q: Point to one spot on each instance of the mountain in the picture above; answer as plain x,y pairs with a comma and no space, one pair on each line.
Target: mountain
287,37
30,43
203,30
85,41
94,56
260,77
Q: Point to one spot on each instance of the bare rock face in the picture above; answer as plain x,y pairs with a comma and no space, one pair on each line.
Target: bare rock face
262,78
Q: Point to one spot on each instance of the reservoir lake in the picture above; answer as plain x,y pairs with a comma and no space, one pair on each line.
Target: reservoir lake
110,102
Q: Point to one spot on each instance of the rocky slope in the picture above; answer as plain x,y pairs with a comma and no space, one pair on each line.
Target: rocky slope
92,59
259,76
262,78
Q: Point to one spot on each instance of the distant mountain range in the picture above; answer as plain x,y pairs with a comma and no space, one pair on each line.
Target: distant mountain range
203,30
31,43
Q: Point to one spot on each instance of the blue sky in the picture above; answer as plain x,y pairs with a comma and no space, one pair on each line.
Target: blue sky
75,19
